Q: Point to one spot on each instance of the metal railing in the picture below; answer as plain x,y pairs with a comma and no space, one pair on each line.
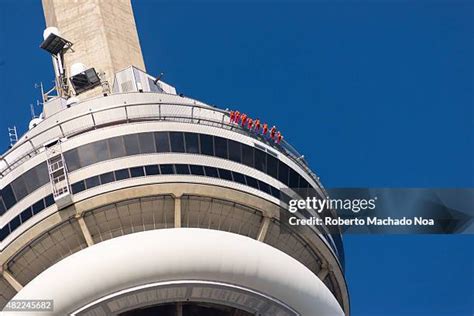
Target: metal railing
124,113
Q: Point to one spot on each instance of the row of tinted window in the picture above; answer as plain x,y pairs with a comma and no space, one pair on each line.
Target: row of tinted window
179,142
158,142
179,169
26,215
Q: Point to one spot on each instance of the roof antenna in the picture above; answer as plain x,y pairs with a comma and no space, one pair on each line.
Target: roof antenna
158,79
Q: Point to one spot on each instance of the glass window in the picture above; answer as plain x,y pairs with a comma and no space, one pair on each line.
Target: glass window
283,173
167,169
264,187
87,155
211,172
207,144
43,175
238,177
92,182
177,142
294,179
26,215
2,207
107,178
33,182
252,182
72,160
14,223
78,187
275,192
152,170
272,166
147,143
162,142
121,174
260,160
225,174
19,187
137,172
49,200
182,169
235,151
4,232
116,147
220,147
38,207
192,143
131,144
247,155
101,150
197,170
8,197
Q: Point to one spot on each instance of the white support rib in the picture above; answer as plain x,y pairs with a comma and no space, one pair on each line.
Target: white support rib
262,232
12,281
85,231
177,212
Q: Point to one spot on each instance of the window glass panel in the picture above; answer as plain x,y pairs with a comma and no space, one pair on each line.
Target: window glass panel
38,207
275,192
101,150
177,142
197,170
294,177
260,160
147,143
207,144
26,215
192,143
43,175
87,156
247,155
238,177
107,177
252,182
235,151
225,174
8,197
283,172
14,223
78,187
131,144
72,160
162,142
220,147
264,187
49,200
167,169
116,147
32,182
137,172
152,170
182,169
2,207
211,172
272,166
4,232
121,174
19,187
92,182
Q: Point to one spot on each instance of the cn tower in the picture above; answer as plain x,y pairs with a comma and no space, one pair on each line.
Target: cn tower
125,197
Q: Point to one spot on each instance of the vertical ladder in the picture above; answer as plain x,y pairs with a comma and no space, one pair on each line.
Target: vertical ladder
58,175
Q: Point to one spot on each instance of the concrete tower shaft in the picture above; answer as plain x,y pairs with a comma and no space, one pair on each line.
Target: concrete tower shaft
103,32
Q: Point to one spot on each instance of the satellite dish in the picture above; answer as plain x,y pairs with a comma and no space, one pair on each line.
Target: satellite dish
77,68
34,122
50,30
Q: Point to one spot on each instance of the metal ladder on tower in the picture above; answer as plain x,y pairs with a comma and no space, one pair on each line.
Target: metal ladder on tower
58,175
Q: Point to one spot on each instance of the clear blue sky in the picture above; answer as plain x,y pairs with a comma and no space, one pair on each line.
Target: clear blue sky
374,93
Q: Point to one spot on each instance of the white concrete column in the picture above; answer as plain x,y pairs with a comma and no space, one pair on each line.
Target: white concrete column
85,231
12,281
177,211
262,232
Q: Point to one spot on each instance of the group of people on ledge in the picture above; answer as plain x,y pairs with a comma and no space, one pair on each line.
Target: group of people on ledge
255,126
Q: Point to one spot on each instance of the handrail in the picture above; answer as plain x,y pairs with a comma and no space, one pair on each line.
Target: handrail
284,147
